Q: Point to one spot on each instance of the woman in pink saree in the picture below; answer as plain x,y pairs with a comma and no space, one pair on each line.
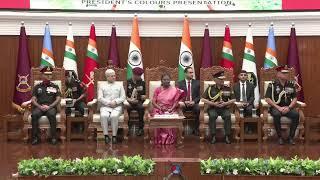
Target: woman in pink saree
165,101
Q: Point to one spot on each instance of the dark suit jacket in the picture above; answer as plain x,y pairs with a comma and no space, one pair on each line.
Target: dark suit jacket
249,92
195,89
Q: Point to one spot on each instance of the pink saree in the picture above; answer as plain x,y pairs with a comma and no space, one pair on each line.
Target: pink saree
166,98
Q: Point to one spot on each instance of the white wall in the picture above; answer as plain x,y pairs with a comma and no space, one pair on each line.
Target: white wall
160,24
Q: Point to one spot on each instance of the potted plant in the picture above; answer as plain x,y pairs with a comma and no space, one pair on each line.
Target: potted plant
87,166
237,168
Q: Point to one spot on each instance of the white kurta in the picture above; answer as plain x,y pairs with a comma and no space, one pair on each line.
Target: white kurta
106,95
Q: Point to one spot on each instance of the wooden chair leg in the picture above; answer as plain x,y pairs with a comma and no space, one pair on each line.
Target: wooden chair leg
301,134
125,133
25,134
63,134
237,134
202,133
265,134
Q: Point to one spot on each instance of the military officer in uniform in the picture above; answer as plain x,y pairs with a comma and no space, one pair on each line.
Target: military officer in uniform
45,98
75,91
136,91
219,97
281,96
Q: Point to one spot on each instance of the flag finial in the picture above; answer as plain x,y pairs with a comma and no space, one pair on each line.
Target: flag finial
207,25
92,23
47,23
292,24
135,14
227,25
22,23
250,24
186,15
70,23
271,24
113,24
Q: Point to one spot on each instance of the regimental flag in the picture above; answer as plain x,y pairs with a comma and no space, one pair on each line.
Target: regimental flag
70,57
206,60
227,59
47,53
134,55
185,57
293,61
270,59
22,89
91,63
249,65
113,48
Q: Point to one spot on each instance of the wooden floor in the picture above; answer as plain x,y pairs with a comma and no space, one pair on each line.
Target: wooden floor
191,151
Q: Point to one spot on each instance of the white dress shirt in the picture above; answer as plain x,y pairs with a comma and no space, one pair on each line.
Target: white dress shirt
245,90
190,88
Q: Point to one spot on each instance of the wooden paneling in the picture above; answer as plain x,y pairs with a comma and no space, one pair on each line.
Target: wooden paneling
155,49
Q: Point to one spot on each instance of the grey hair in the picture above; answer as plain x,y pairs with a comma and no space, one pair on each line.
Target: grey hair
110,72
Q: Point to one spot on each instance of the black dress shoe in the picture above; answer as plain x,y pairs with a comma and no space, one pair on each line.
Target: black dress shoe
291,141
106,139
114,140
35,141
281,141
53,141
227,140
140,132
213,140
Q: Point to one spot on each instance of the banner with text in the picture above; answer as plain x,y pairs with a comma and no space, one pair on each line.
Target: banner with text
158,5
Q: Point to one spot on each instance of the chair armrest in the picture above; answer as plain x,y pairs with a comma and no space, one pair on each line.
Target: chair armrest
264,103
238,104
146,103
182,104
201,104
63,102
126,103
301,104
26,104
92,103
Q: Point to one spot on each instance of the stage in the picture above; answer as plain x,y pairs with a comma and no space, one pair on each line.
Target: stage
188,154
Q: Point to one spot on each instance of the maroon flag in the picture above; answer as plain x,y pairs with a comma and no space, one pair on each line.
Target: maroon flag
113,48
293,61
22,88
206,60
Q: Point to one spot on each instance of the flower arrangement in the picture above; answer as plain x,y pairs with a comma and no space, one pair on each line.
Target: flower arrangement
259,166
128,166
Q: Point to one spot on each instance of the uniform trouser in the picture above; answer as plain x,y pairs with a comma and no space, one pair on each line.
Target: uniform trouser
36,115
247,111
196,110
79,106
225,115
139,108
107,114
292,114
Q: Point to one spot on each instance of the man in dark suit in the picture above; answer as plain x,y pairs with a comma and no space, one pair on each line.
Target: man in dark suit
244,93
191,88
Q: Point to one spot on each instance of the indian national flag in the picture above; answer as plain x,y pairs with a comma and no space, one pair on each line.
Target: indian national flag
70,58
249,64
47,54
270,59
227,60
185,58
134,55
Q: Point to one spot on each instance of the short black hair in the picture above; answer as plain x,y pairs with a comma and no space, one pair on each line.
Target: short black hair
165,74
187,68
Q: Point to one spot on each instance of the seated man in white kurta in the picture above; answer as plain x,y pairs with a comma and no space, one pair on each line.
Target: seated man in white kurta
111,98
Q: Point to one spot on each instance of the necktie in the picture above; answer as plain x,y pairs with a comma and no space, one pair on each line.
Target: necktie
188,91
244,98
